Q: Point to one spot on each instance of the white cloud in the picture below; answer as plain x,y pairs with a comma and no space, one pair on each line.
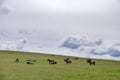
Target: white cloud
21,44
92,48
14,45
50,16
100,50
114,50
87,48
69,6
4,9
74,42
8,46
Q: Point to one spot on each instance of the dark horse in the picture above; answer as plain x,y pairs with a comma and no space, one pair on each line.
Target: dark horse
28,62
17,60
67,61
51,61
90,62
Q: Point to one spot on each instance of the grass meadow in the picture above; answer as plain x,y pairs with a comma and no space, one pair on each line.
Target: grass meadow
42,70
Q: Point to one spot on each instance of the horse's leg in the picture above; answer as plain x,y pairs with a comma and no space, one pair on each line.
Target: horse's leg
90,63
94,63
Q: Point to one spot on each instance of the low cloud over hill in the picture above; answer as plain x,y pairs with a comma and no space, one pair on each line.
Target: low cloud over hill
97,47
76,45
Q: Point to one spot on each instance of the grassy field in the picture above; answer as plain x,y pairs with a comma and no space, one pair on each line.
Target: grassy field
42,70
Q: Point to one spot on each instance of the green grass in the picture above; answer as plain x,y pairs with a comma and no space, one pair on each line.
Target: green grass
41,70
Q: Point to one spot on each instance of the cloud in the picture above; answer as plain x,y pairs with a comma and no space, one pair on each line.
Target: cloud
100,50
75,6
71,42
1,1
81,46
20,45
14,45
4,9
43,22
74,42
8,46
89,47
112,50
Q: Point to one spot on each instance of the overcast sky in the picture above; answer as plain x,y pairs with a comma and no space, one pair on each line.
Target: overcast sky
36,23
95,17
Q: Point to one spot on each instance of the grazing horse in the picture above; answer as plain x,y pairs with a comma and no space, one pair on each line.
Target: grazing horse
54,62
90,62
67,61
51,61
17,60
28,62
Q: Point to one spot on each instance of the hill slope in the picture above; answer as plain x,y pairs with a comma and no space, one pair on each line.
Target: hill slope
42,70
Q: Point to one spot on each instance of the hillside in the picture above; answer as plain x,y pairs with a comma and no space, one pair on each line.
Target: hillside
42,70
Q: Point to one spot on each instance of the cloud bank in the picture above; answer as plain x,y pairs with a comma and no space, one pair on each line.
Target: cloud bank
14,45
4,9
80,45
95,47
74,42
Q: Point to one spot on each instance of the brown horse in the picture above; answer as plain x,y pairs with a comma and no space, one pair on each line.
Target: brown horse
28,62
67,61
51,61
17,60
90,62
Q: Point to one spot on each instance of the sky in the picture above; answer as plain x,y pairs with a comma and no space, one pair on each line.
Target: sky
25,24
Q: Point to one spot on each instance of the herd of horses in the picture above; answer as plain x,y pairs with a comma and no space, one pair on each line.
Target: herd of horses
29,61
51,61
66,60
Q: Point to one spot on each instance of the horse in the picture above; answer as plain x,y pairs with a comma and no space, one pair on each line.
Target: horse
17,60
28,62
90,62
54,62
67,61
51,61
